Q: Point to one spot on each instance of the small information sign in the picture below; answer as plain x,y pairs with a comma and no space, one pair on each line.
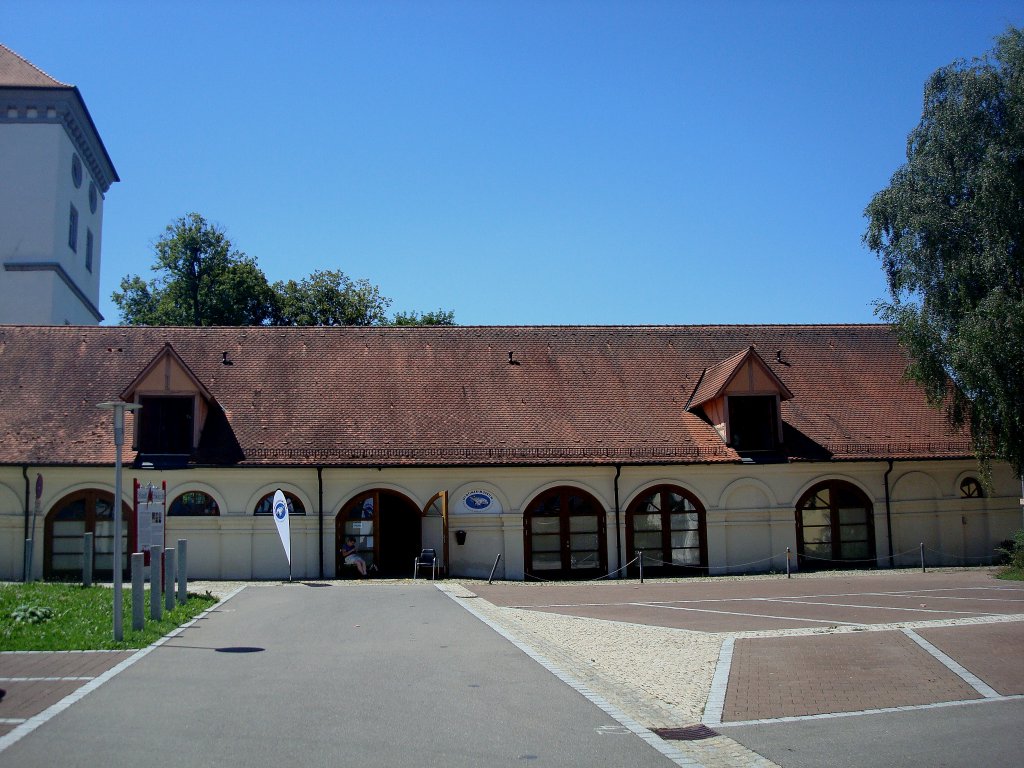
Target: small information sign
150,509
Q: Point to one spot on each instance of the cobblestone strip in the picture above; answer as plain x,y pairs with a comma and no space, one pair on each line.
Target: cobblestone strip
655,677
719,685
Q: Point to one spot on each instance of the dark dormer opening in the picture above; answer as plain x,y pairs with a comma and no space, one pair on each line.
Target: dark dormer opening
753,422
166,425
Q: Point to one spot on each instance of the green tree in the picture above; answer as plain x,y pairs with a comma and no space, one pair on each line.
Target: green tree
330,297
201,281
440,317
948,230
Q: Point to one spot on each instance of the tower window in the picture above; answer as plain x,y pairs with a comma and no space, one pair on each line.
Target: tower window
93,197
76,170
88,249
73,229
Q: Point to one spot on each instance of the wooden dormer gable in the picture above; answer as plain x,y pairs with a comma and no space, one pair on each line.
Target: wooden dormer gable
174,406
740,396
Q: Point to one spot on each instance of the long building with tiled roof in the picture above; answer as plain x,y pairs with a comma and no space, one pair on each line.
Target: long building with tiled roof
569,451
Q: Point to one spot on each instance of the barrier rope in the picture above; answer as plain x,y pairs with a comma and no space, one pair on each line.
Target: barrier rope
652,561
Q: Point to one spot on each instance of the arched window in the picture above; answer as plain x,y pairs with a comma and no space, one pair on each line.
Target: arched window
970,488
565,535
193,504
265,505
666,526
88,511
835,527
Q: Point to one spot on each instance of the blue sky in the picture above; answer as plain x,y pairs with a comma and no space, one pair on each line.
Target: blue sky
518,162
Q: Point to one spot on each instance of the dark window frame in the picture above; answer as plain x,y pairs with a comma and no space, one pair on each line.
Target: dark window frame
665,511
186,508
748,432
165,425
265,506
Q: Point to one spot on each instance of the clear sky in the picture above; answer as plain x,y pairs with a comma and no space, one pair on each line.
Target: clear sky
516,162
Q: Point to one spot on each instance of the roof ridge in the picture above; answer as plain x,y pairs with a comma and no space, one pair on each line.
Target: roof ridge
54,82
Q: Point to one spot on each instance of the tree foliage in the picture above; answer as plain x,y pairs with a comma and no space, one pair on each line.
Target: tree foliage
948,230
330,297
440,317
201,280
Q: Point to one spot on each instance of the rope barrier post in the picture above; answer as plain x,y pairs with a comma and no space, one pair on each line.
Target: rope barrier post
922,557
640,557
493,568
788,574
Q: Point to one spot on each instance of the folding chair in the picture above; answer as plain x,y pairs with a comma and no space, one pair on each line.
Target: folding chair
426,559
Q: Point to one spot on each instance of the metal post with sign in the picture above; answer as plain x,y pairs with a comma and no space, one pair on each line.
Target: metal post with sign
30,541
118,407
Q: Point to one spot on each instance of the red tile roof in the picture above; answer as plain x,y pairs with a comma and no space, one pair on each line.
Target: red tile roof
16,72
449,395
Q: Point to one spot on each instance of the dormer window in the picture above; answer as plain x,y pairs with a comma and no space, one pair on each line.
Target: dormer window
166,424
174,408
741,397
753,423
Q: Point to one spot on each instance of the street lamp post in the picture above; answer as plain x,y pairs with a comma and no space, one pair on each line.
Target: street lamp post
118,407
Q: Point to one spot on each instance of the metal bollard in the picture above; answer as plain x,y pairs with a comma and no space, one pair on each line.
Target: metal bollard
922,557
182,571
169,571
87,559
493,568
788,554
156,610
138,591
640,555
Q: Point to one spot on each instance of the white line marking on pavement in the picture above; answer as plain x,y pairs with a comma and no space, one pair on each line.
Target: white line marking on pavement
885,710
804,601
831,622
48,714
968,677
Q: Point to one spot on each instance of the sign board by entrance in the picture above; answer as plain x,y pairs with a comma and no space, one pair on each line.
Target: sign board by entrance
150,511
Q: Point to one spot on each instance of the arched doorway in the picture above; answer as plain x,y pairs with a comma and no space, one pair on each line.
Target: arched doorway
565,536
386,527
666,525
87,511
835,527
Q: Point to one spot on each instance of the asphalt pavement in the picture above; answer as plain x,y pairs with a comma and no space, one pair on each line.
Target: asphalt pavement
321,675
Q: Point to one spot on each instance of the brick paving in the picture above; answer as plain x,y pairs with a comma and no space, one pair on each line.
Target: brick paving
775,677
36,681
993,652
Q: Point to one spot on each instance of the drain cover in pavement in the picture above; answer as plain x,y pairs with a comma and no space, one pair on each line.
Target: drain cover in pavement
689,733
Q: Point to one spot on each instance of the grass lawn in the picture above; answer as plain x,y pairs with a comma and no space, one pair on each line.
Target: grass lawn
1011,574
68,617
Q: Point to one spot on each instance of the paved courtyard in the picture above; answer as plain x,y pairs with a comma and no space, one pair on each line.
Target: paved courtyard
713,666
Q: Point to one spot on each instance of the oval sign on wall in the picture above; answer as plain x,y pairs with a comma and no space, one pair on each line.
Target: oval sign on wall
480,502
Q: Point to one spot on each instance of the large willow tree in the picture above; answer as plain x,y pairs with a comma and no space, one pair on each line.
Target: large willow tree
948,231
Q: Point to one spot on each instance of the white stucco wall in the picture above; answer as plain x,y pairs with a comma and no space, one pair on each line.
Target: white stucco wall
749,508
36,194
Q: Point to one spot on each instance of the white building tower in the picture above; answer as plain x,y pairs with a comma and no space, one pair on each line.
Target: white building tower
54,173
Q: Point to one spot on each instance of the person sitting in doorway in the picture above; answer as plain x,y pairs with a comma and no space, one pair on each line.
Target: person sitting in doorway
350,552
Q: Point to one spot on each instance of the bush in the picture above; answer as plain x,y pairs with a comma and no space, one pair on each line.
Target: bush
1012,551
